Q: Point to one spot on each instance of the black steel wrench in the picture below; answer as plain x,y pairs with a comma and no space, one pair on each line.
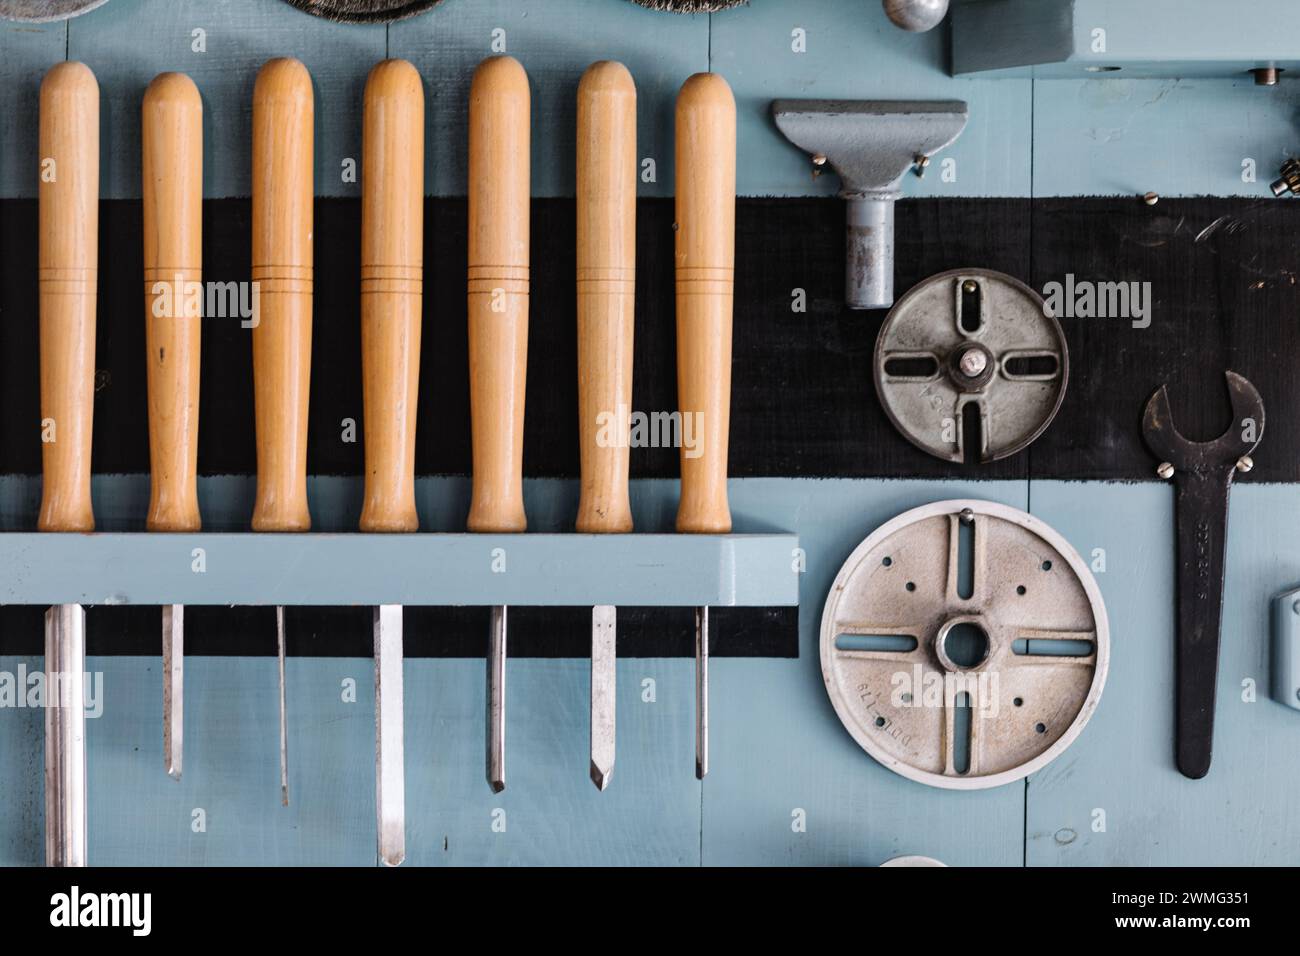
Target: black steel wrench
1202,474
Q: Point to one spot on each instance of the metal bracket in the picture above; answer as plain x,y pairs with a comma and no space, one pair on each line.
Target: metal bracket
1285,622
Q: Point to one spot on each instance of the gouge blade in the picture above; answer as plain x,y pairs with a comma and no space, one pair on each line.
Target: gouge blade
496,701
701,692
65,736
284,716
390,768
603,677
173,668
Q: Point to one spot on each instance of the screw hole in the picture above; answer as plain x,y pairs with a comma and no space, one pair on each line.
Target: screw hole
911,585
1041,728
880,722
907,698
1020,590
887,561
1047,565
1019,702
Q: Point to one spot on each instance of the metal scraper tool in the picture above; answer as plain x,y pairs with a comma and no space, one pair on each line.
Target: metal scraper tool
68,275
606,200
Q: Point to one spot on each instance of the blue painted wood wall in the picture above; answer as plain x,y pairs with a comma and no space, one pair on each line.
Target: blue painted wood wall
777,747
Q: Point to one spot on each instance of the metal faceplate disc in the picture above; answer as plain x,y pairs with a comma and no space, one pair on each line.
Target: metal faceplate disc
889,644
971,336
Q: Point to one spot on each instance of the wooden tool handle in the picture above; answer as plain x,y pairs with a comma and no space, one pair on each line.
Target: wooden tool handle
68,277
606,291
283,114
706,253
171,158
498,291
392,283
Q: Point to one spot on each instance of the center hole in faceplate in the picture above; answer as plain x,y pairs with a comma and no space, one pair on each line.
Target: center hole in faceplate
966,644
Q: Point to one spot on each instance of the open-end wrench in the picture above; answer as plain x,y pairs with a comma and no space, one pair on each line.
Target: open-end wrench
1202,474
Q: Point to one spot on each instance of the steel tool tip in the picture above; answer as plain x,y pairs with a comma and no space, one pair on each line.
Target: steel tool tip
601,778
497,785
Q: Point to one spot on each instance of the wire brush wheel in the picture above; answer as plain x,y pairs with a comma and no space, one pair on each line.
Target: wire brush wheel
363,11
691,6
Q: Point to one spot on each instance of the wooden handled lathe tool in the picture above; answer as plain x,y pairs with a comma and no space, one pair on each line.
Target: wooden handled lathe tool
606,193
68,277
171,159
706,247
392,296
283,115
499,106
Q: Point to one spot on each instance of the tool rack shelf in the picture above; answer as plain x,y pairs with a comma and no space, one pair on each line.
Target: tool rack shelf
665,570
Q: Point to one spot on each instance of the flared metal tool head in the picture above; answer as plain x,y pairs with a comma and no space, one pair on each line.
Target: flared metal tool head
1167,444
871,144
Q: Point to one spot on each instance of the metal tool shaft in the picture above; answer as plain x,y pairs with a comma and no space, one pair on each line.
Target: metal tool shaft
284,715
701,692
173,668
604,658
496,701
65,736
390,772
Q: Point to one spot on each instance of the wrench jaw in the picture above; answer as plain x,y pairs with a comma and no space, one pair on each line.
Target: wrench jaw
1202,474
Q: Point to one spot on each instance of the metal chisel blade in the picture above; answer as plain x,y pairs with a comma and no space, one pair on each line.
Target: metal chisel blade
284,716
603,677
173,668
65,736
496,701
390,769
701,692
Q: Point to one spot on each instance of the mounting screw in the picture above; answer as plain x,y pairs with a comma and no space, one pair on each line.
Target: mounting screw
1165,470
919,162
1151,198
819,159
973,363
967,516
1245,463
1265,75
969,286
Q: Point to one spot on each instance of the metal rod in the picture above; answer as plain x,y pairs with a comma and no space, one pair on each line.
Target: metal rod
284,716
496,701
604,657
65,736
173,668
701,692
390,769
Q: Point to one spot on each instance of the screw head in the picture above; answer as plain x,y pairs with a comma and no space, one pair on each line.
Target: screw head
1165,470
1245,463
973,363
966,516
1151,198
819,159
969,286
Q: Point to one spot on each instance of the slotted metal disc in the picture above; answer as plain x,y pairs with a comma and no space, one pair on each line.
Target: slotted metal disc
964,644
971,338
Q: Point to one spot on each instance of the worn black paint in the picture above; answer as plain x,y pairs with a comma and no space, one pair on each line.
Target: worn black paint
1223,274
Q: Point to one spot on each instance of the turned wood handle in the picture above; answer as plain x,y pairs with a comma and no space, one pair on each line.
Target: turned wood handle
498,291
706,253
606,211
171,158
68,276
283,114
392,283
